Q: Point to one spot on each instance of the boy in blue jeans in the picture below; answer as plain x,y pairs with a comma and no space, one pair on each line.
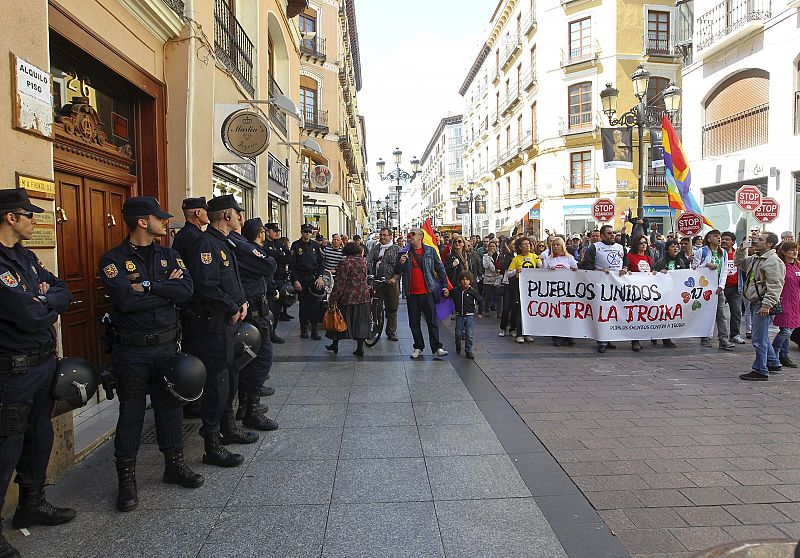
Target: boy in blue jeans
468,304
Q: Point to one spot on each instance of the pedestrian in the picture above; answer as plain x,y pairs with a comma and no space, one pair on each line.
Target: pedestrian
524,259
789,318
712,256
697,242
638,260
468,303
507,325
671,261
381,261
764,277
606,255
541,248
425,280
308,264
219,305
733,290
195,214
31,300
276,250
560,258
457,260
351,295
686,251
332,253
491,279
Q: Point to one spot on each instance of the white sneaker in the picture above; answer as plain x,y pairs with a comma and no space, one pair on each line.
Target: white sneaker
513,333
738,339
416,353
520,339
440,353
529,339
502,333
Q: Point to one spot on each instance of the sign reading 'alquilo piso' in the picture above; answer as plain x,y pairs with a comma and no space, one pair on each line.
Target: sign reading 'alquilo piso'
611,307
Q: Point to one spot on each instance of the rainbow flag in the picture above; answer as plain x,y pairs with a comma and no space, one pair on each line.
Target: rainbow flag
430,240
678,174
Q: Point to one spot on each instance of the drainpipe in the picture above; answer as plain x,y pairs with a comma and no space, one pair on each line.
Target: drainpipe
190,78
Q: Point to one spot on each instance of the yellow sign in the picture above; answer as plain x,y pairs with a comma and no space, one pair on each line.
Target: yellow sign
41,188
44,232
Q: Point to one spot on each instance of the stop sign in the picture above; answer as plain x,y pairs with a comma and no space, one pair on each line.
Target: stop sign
603,210
689,224
748,198
767,212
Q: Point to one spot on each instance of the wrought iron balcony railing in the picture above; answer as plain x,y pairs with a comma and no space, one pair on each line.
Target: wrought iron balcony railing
727,17
655,45
656,180
579,54
275,115
315,120
313,48
232,45
530,21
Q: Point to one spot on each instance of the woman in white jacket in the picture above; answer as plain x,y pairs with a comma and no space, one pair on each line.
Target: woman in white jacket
712,256
491,279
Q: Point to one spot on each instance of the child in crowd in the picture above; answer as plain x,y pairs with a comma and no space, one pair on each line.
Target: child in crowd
468,303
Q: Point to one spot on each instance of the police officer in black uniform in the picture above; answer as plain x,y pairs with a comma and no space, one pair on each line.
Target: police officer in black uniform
257,270
145,281
195,211
31,299
219,305
308,263
276,250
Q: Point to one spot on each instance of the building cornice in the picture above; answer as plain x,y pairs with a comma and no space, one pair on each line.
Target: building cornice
473,71
352,32
156,16
446,121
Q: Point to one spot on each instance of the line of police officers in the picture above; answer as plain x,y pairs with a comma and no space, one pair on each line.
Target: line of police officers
209,295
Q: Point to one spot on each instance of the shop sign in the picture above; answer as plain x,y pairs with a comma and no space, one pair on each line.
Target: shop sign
462,208
748,198
578,209
535,213
603,210
41,188
44,232
246,133
768,211
321,176
657,211
689,224
32,98
278,171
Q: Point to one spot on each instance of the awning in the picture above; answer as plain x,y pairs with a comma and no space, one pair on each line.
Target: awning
516,216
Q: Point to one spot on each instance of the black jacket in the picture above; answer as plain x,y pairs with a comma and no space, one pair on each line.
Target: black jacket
137,312
212,262
26,322
255,267
185,237
467,302
277,251
307,260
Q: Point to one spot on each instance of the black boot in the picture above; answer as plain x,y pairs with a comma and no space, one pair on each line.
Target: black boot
334,346
275,338
314,333
303,331
33,509
6,550
256,419
242,404
232,434
217,455
177,472
265,391
127,496
359,348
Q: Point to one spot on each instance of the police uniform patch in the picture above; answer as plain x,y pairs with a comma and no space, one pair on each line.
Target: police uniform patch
299,250
205,257
164,263
223,255
180,263
8,279
257,253
130,266
110,271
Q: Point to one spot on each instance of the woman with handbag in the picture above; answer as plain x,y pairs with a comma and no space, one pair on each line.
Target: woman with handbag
351,297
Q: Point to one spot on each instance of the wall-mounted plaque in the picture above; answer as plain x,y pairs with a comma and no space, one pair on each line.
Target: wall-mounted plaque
44,232
41,188
32,98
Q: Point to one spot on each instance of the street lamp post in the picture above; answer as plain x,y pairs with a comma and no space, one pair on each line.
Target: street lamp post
640,116
397,175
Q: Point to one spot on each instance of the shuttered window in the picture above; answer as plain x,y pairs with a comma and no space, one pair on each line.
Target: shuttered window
736,115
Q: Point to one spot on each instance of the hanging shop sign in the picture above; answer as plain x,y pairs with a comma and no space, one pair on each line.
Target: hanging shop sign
246,133
321,176
32,98
40,188
617,152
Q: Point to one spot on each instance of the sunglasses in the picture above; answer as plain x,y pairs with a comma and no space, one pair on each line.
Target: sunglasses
459,242
28,214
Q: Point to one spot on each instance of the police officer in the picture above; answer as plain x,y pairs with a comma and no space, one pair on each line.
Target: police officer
276,250
195,211
218,306
145,280
308,264
31,299
256,269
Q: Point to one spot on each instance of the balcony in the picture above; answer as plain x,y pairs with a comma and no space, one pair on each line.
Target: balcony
529,79
496,74
511,151
511,99
315,121
512,47
493,117
484,127
654,45
492,164
578,124
729,21
313,49
232,46
177,6
531,190
529,23
580,54
506,201
580,184
276,116
517,198
740,131
496,205
656,181
527,140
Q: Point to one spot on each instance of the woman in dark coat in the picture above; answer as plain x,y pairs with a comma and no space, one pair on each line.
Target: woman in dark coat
351,294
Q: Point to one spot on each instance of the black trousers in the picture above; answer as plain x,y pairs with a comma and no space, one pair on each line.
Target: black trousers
27,448
137,371
419,305
310,305
277,308
253,376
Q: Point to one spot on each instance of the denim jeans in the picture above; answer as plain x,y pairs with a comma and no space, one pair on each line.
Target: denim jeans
721,320
748,316
765,353
734,300
781,342
465,328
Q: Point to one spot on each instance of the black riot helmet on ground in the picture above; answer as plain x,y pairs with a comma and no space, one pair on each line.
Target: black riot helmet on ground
288,294
246,344
76,383
184,376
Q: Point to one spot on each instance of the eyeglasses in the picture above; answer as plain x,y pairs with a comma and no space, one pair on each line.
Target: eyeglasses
28,214
459,242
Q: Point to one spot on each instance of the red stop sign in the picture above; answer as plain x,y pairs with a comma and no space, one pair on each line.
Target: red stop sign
768,211
689,224
748,198
603,210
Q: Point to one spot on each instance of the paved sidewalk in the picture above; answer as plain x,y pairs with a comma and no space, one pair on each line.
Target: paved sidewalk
383,457
675,452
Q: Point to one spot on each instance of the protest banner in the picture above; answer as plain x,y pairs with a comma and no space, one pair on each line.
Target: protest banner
611,307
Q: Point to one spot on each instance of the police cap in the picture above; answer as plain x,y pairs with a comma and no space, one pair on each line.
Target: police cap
224,202
272,227
306,228
251,228
143,205
14,198
194,203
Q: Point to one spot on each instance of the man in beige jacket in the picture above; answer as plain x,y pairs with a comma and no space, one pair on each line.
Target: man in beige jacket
764,276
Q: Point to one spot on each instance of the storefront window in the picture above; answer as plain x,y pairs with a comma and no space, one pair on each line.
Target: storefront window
277,213
317,217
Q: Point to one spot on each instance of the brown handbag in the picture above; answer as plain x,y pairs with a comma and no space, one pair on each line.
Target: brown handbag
334,320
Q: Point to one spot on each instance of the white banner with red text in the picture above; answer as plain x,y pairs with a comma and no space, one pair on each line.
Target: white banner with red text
614,307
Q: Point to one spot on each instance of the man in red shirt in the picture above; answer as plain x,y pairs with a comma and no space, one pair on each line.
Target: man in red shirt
733,294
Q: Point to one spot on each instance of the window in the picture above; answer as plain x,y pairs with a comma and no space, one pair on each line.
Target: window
736,114
519,130
580,39
580,172
655,87
533,120
519,78
533,62
308,24
658,32
308,99
580,106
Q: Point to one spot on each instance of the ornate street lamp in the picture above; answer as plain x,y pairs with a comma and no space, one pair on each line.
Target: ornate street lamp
398,175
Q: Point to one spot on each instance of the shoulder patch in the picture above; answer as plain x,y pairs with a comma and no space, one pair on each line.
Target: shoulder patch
130,266
180,263
257,253
110,271
205,257
8,279
164,263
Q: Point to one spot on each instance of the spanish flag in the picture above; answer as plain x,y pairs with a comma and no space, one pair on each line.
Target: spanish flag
678,174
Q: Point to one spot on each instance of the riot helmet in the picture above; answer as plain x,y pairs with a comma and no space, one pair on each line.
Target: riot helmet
76,383
184,376
288,294
246,344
